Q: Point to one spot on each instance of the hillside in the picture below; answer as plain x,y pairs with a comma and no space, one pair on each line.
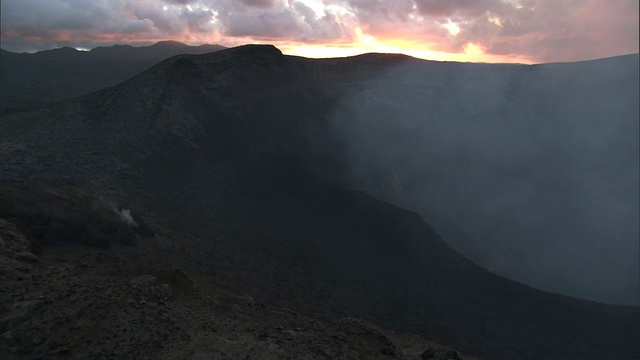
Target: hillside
53,75
530,171
234,161
115,301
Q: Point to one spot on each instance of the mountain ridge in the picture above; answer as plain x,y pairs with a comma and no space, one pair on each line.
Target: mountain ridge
52,75
225,148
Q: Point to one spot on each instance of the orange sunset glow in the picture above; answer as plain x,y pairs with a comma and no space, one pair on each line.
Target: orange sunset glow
519,31
471,53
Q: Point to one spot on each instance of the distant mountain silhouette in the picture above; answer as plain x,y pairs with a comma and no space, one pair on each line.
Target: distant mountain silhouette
52,75
233,158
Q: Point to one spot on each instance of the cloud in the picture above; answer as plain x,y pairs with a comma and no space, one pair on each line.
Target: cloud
259,3
451,8
539,30
547,30
180,2
270,25
296,22
68,19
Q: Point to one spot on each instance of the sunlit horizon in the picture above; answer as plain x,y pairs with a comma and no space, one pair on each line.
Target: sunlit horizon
497,31
472,52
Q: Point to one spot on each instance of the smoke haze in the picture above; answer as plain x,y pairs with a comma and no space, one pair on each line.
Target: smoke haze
530,171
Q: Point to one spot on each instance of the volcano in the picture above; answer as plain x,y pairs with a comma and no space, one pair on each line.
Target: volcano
236,161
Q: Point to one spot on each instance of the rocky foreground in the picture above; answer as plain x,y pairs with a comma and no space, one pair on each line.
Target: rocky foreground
237,163
79,302
75,300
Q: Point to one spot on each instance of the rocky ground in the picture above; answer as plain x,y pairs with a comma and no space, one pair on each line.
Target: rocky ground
233,161
82,302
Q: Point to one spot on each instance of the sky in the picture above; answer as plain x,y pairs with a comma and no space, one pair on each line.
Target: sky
526,31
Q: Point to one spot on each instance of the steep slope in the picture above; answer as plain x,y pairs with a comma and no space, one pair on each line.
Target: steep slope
232,158
52,75
531,171
83,302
